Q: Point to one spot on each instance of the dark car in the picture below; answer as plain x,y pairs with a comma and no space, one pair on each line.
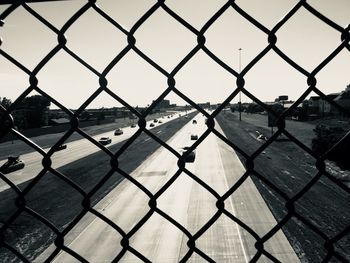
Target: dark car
194,137
155,120
151,125
118,131
194,122
62,147
105,140
160,121
13,164
191,156
133,125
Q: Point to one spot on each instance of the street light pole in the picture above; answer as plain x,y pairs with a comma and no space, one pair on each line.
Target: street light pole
240,102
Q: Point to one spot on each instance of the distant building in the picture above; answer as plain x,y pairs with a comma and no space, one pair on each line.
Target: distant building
314,105
344,98
57,113
59,121
163,104
326,108
319,106
24,116
103,112
287,104
204,105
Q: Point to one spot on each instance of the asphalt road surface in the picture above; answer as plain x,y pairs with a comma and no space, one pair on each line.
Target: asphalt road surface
185,201
55,200
75,150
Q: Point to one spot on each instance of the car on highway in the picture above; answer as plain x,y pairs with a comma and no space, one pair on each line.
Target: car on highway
105,140
118,131
261,137
194,136
12,164
133,125
61,147
151,125
191,156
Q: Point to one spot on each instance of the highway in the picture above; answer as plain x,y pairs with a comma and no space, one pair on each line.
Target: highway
185,201
76,150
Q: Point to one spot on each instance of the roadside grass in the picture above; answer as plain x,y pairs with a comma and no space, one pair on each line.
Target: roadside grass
290,169
302,131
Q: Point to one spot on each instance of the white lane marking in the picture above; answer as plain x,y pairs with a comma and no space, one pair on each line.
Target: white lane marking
238,230
147,140
158,132
231,204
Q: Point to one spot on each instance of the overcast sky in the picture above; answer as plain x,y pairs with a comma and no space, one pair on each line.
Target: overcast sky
304,38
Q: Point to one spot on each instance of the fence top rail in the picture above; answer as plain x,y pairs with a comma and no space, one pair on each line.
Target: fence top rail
7,2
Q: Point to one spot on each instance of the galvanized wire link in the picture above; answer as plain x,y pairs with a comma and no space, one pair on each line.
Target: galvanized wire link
7,127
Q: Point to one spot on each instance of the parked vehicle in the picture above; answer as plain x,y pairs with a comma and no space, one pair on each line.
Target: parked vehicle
194,122
155,120
105,140
12,164
151,125
118,131
133,125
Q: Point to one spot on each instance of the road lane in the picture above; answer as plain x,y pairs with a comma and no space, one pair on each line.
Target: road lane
249,206
75,150
222,241
124,201
188,203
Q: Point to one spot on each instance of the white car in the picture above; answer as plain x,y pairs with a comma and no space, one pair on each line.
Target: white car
118,131
105,140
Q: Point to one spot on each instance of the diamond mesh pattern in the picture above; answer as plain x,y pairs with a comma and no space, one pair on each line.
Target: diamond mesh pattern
7,127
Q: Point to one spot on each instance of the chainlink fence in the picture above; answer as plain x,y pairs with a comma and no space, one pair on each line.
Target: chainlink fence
329,242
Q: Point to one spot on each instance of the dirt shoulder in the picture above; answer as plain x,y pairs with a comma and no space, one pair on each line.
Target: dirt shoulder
289,168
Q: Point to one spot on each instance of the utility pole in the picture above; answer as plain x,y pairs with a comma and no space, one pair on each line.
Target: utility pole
240,101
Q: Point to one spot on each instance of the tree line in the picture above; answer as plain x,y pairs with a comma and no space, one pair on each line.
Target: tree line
30,112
